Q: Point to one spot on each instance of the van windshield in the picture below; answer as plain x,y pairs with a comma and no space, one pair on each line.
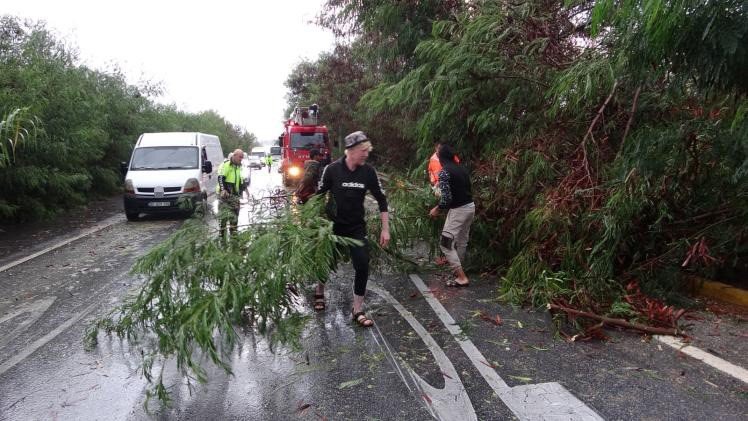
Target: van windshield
258,154
307,140
275,150
164,158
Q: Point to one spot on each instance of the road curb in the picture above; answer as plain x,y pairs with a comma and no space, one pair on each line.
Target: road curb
720,291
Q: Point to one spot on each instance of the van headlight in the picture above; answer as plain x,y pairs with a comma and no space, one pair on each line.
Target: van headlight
129,188
191,186
294,171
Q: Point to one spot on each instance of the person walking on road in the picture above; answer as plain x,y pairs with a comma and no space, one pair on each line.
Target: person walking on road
310,181
434,167
230,187
456,198
269,162
347,180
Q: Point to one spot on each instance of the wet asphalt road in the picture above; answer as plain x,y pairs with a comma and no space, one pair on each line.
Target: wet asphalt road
410,367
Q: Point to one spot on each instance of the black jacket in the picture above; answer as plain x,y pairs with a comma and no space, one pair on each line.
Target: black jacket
454,185
348,188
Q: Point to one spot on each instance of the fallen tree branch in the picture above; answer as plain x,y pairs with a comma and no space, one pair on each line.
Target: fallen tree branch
631,116
600,111
617,322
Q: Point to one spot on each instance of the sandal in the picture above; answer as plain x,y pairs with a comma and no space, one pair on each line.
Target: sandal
455,284
319,302
362,320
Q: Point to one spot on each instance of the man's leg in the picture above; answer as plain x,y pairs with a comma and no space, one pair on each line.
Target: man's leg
447,245
466,216
222,219
234,219
360,260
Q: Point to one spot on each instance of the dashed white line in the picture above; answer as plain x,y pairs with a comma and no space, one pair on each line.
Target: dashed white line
35,309
726,367
106,223
17,358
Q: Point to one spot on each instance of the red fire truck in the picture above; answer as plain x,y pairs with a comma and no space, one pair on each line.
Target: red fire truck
302,133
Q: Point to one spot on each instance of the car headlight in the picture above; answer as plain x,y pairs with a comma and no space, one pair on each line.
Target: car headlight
191,186
294,171
129,188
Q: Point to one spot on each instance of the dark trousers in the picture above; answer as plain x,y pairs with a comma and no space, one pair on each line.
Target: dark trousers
228,214
359,255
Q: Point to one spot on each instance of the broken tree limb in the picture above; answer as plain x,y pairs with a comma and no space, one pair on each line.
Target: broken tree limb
631,116
617,322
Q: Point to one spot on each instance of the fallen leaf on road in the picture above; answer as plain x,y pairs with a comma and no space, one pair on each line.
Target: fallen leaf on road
303,407
537,348
522,379
426,397
350,383
495,320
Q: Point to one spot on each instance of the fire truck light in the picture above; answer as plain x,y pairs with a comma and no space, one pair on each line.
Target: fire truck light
294,171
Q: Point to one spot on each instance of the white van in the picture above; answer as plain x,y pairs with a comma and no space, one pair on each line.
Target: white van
171,172
257,157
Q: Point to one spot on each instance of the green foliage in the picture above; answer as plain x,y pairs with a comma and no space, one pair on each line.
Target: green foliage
409,223
198,288
90,121
607,140
699,42
16,128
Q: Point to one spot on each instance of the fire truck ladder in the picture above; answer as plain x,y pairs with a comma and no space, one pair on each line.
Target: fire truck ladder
306,116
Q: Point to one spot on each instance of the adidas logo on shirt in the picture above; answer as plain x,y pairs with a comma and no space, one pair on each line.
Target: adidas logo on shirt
354,185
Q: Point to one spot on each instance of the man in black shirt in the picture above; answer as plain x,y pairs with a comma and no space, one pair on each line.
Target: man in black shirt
456,197
347,180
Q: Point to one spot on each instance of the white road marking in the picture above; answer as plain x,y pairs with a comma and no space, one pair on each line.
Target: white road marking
726,367
17,358
106,223
451,402
527,402
36,308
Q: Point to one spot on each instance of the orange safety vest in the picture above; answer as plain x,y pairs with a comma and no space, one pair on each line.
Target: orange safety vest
435,166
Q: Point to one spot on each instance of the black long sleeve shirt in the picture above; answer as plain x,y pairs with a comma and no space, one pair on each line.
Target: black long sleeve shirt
348,190
454,186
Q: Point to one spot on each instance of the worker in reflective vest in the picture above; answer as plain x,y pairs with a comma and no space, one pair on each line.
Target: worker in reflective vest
230,187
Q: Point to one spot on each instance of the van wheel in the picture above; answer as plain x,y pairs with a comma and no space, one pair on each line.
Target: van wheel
132,216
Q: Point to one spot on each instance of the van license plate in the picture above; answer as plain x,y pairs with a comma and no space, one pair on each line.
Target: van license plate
157,204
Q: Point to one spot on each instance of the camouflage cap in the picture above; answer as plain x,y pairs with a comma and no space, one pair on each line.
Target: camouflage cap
355,138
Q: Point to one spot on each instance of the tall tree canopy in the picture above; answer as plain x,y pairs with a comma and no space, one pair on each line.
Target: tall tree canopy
607,139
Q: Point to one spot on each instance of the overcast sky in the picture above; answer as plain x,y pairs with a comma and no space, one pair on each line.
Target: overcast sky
229,56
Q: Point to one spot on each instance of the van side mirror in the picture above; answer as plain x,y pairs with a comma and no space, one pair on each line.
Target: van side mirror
280,141
207,167
123,168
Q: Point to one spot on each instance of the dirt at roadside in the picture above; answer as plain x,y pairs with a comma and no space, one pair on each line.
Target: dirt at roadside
25,237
